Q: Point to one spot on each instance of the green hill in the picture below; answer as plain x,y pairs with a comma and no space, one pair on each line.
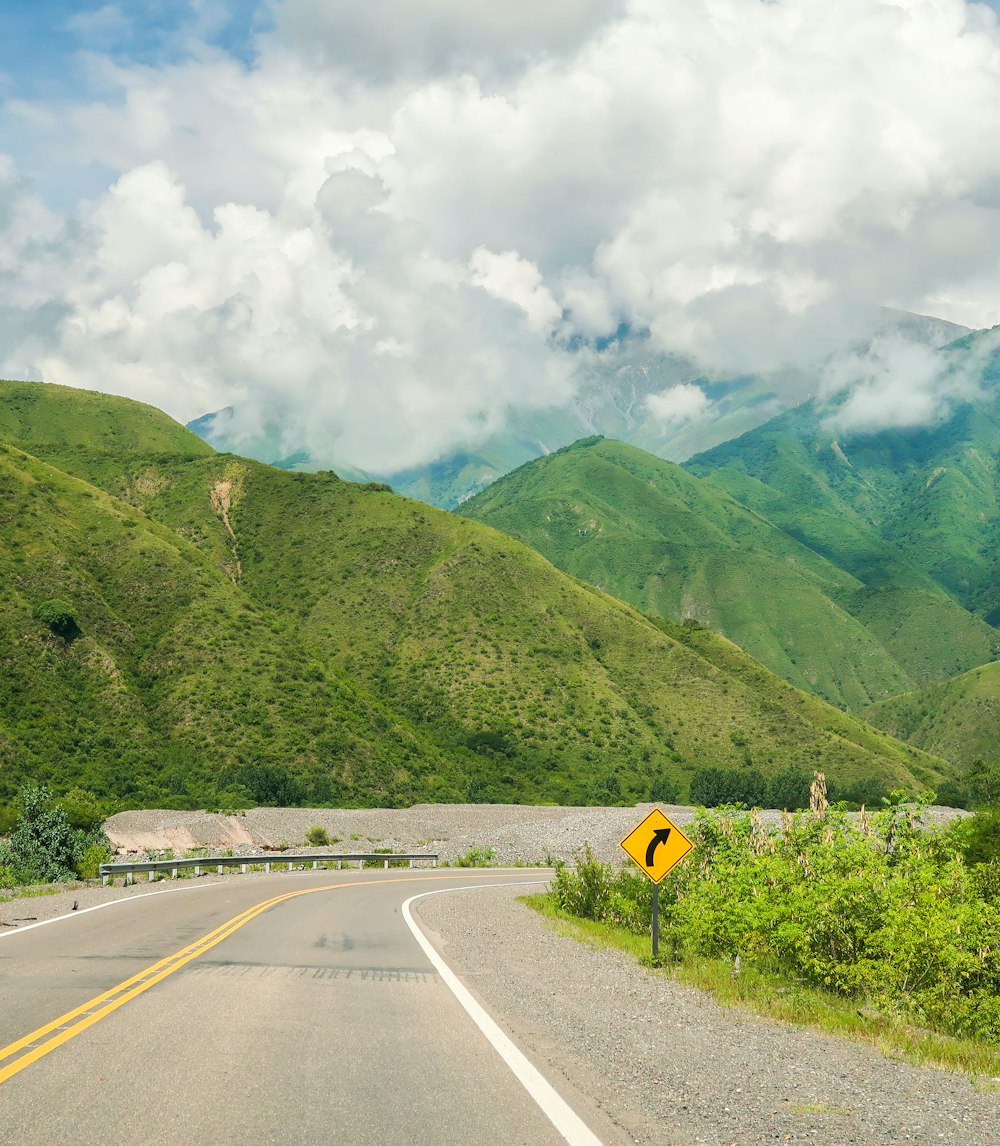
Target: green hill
243,627
174,683
913,514
671,544
957,719
63,423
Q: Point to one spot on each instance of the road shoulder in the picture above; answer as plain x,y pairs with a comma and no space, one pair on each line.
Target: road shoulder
667,1064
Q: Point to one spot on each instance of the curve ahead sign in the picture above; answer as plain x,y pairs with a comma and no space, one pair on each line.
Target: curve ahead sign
656,845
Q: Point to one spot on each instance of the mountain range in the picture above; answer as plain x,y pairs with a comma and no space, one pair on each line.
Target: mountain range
183,627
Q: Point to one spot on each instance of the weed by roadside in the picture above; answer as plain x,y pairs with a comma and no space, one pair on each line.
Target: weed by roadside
474,857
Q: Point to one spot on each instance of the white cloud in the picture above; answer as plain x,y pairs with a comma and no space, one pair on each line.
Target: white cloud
897,383
386,230
515,280
384,40
683,403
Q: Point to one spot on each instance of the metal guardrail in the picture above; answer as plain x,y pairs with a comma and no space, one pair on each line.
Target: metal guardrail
244,863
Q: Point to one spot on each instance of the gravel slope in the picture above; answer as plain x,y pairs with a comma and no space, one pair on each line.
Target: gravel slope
668,1065
517,833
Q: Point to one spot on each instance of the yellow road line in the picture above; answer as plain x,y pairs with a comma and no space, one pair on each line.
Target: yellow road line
74,1022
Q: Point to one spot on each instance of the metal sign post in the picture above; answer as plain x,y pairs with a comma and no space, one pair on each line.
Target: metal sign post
655,846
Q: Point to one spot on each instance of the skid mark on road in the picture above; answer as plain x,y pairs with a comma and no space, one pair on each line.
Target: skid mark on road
290,971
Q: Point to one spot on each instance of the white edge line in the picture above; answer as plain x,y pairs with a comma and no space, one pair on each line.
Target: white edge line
98,906
562,1116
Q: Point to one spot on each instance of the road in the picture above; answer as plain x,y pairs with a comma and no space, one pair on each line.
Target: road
193,1015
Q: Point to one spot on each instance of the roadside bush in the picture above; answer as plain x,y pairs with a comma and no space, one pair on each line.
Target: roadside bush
44,847
476,857
871,907
978,836
88,862
663,790
8,818
83,809
317,836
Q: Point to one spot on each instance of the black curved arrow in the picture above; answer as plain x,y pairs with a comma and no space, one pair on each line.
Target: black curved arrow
660,836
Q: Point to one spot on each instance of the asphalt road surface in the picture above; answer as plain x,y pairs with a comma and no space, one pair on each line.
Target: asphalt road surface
298,1008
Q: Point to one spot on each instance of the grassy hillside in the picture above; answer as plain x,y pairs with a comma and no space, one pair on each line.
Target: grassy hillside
64,423
235,617
654,535
912,514
957,719
174,684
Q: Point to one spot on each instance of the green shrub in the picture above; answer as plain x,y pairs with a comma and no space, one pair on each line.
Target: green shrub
317,836
83,809
714,786
978,836
476,857
60,617
663,790
872,908
89,861
8,818
44,847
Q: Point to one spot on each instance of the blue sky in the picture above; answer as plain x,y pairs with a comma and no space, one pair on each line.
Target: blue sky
41,42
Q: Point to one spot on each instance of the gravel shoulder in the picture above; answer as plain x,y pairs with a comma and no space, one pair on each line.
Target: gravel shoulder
669,1065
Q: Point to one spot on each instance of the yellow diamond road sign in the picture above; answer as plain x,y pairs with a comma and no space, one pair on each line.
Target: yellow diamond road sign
656,845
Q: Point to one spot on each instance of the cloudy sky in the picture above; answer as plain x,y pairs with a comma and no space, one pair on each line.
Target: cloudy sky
384,224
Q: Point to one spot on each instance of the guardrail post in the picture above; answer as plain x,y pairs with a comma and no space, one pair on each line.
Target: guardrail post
197,869
267,866
218,870
243,869
173,873
315,865
104,880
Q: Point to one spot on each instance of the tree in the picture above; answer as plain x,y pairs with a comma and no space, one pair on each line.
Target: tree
663,790
60,617
789,790
714,786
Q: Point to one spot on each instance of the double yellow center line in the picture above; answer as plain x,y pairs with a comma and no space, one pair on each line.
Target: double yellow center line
46,1039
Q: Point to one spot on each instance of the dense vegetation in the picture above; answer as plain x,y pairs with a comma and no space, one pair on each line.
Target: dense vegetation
871,908
245,635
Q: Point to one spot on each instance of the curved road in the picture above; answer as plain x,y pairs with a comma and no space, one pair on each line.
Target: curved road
297,1008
